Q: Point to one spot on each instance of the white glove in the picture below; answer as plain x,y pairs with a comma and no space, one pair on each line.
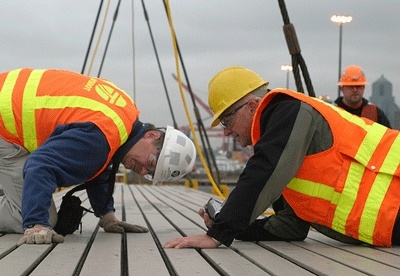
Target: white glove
40,234
111,224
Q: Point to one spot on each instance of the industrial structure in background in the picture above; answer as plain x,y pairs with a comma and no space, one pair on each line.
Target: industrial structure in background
382,96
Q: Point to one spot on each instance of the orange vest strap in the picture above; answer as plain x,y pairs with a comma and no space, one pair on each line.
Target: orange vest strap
370,111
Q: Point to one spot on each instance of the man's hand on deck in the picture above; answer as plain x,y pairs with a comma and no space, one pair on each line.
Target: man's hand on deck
197,241
113,225
40,234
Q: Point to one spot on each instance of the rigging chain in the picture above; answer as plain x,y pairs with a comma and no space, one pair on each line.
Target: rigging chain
294,50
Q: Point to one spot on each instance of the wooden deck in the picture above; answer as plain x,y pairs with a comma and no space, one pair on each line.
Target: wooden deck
170,211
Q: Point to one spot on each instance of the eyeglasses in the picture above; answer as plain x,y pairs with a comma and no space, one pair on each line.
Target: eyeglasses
159,144
150,174
225,122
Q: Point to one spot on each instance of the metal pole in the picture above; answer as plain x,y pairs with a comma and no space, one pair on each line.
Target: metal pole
287,69
287,79
340,55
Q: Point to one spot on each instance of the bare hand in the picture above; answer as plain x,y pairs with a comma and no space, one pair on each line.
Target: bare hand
207,220
197,241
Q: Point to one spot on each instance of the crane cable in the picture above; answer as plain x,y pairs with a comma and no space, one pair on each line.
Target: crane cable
109,37
99,38
133,50
167,7
201,128
91,37
146,16
295,52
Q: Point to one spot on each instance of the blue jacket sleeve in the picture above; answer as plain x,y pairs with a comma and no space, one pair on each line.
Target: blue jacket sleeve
99,193
71,155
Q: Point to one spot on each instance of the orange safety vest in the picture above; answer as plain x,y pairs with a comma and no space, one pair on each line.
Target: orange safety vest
34,102
352,187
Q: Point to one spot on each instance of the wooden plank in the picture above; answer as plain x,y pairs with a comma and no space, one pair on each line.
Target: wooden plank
183,206
189,197
65,257
183,262
8,243
309,260
197,195
105,251
232,263
271,262
357,256
347,258
227,260
24,259
171,211
144,257
393,250
104,255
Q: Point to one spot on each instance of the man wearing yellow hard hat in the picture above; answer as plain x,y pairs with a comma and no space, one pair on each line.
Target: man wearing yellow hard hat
315,164
352,85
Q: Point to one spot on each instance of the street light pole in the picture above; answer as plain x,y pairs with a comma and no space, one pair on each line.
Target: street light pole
340,19
287,68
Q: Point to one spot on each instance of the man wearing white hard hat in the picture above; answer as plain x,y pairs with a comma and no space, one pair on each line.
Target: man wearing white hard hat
60,128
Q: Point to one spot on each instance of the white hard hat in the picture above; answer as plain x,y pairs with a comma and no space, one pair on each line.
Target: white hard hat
177,156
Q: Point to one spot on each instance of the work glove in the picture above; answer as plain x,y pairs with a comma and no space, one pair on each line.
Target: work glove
111,224
40,234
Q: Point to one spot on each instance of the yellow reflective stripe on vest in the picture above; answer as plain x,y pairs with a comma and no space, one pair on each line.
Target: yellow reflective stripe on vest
60,102
28,110
391,161
31,102
374,136
6,109
379,191
314,189
348,197
368,221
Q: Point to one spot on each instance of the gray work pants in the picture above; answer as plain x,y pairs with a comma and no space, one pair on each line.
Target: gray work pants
12,160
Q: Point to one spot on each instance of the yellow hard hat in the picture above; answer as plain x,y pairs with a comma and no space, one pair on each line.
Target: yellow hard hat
352,75
230,85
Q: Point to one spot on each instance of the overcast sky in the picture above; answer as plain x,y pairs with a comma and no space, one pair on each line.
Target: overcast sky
212,35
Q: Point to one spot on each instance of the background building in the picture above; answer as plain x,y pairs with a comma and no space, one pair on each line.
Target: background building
382,96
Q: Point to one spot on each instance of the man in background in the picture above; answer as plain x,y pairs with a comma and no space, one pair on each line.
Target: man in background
352,84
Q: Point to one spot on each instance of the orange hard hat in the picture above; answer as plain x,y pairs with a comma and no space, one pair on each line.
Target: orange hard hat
352,75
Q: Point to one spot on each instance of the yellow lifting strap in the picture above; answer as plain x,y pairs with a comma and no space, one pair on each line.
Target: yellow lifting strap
195,140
